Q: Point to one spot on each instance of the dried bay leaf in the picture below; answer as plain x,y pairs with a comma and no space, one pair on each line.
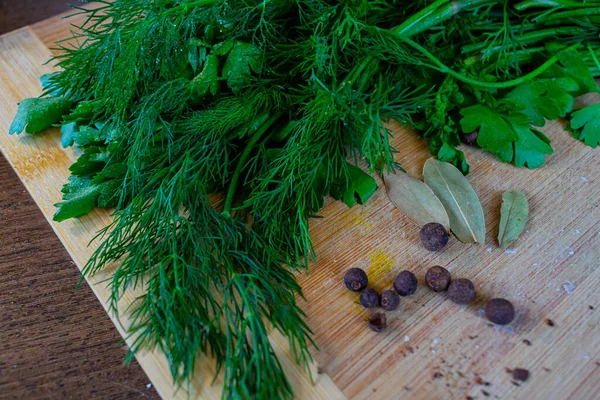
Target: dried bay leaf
513,216
458,197
415,200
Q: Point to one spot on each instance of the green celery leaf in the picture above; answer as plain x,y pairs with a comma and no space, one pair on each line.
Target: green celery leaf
531,146
361,185
241,61
495,134
585,125
90,162
68,132
36,114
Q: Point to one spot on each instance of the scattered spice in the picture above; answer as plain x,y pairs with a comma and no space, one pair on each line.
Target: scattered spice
369,298
591,307
549,322
406,283
389,300
527,342
437,278
461,291
520,374
356,279
470,138
438,375
434,236
377,322
485,393
500,311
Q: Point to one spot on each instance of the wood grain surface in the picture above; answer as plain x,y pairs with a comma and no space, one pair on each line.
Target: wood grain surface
55,342
432,347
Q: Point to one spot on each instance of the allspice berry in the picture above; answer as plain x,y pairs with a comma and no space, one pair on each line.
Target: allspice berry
470,138
520,374
437,278
500,311
369,298
377,322
434,236
389,300
406,283
356,279
461,291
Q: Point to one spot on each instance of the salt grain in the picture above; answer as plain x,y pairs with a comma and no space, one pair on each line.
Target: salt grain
406,338
510,251
569,287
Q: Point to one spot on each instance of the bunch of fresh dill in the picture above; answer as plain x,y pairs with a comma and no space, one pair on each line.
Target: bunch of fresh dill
216,128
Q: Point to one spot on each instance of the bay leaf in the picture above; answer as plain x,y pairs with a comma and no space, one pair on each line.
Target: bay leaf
513,217
415,200
458,197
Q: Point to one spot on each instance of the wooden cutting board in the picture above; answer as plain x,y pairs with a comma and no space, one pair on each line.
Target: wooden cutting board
432,347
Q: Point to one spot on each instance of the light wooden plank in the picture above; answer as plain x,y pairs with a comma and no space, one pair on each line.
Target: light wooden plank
429,334
42,165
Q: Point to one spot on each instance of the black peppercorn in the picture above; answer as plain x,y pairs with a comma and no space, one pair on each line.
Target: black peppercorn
437,278
369,298
520,374
461,291
389,300
500,311
470,138
356,279
434,236
406,283
377,322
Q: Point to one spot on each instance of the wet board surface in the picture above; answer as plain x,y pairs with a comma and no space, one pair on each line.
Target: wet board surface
432,347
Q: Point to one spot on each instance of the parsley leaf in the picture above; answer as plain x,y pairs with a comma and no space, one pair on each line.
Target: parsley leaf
68,132
531,145
36,114
449,154
360,187
495,134
585,125
80,198
242,59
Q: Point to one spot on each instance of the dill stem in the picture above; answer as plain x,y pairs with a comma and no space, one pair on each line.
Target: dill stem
242,162
495,85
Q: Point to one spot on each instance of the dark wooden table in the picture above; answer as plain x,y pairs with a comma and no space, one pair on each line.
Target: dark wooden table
55,342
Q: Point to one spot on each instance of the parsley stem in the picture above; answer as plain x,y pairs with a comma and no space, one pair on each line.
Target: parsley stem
242,162
553,3
496,85
442,12
593,54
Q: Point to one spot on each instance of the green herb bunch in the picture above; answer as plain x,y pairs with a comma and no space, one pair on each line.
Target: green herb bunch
216,128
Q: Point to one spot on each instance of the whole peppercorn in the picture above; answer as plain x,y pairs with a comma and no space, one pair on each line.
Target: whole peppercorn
389,300
500,311
461,291
434,236
369,298
437,278
377,322
406,283
470,138
356,279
